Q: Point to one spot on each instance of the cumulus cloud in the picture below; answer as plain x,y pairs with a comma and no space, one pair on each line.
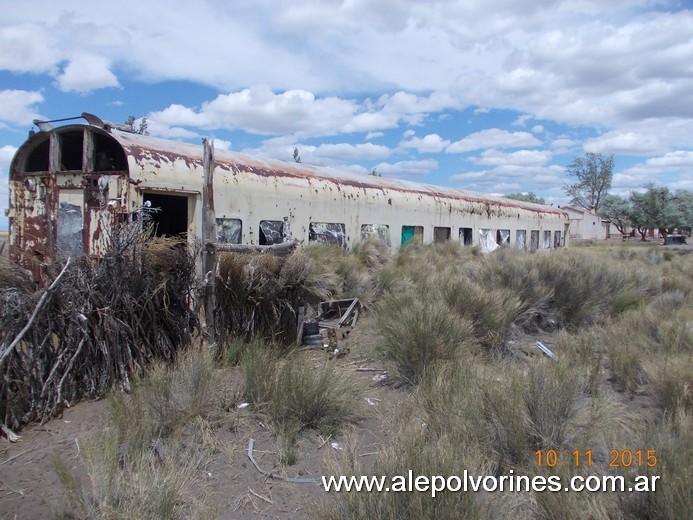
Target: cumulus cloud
260,110
493,138
86,72
18,106
519,158
431,143
28,47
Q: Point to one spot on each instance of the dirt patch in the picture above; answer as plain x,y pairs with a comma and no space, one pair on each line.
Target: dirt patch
228,482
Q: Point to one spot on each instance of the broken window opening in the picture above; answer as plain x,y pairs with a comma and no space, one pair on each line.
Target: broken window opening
229,230
70,222
381,231
71,144
503,236
441,234
557,239
172,217
412,233
271,232
38,161
108,155
466,236
327,233
488,244
546,244
521,239
534,240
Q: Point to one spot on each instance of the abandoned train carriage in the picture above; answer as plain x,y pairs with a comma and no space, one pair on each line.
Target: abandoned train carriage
71,184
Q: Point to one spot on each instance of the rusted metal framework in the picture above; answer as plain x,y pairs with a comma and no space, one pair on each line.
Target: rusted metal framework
70,185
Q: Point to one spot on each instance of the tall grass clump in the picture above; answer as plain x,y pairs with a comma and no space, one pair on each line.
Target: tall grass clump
416,331
296,394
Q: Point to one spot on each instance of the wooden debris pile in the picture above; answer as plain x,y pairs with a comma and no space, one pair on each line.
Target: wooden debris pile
98,322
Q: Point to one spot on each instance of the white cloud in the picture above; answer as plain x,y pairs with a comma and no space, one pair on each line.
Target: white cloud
538,179
493,138
18,106
259,110
674,167
28,47
431,143
518,158
86,72
407,169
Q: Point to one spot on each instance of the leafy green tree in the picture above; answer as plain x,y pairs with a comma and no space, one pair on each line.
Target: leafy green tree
684,201
618,211
297,158
657,208
526,197
375,173
594,174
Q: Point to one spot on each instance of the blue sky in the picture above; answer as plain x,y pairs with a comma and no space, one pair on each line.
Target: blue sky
495,96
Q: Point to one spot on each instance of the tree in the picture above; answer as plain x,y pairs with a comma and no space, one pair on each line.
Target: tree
141,129
375,173
618,211
594,174
297,158
526,197
657,208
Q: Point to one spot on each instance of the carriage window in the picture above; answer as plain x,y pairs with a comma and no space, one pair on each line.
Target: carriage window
38,158
521,239
108,154
547,240
466,236
441,234
488,244
412,233
503,236
271,232
70,222
229,230
534,240
557,239
71,151
382,231
327,233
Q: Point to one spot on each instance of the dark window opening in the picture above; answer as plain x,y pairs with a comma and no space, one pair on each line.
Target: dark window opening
327,233
271,232
412,233
466,236
229,230
37,161
502,236
534,240
108,154
441,234
71,144
547,240
557,239
172,217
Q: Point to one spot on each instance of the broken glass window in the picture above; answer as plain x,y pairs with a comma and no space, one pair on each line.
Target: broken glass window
488,244
534,240
327,233
229,230
382,231
466,236
70,224
547,240
503,236
271,232
557,239
521,239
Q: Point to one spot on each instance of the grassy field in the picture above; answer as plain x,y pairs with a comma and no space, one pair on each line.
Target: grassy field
456,332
